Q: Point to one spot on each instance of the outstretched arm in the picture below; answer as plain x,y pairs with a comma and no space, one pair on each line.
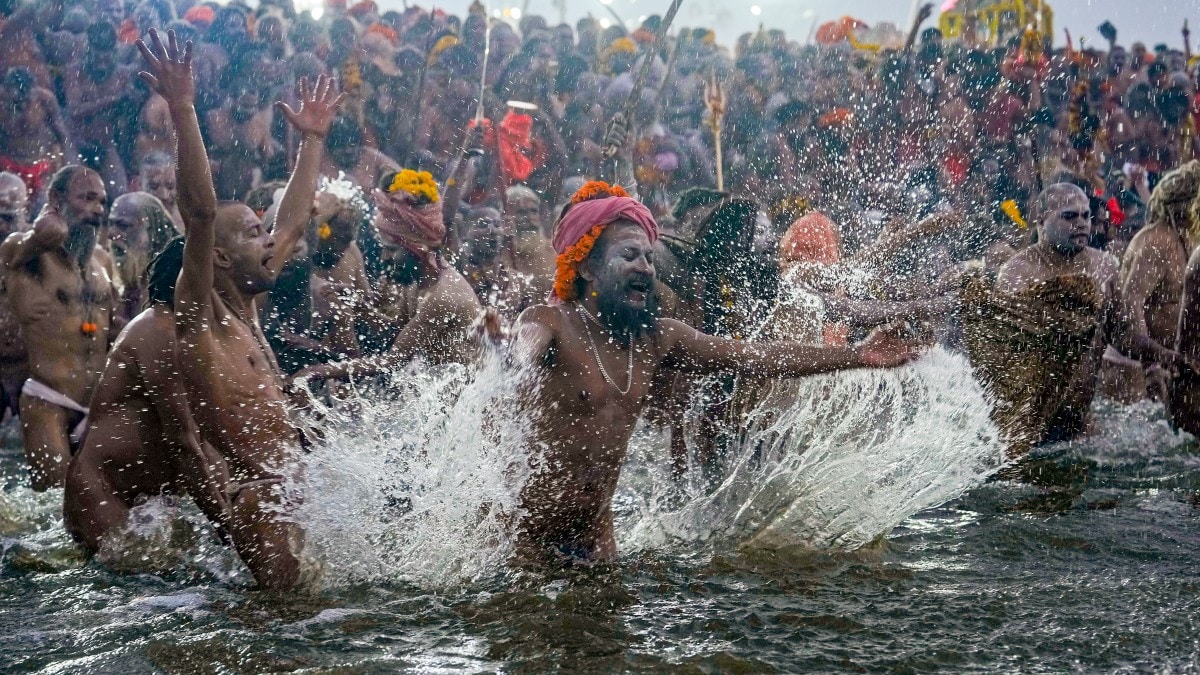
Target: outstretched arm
169,73
318,107
689,350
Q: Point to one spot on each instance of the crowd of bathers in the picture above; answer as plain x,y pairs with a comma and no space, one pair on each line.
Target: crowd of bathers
380,186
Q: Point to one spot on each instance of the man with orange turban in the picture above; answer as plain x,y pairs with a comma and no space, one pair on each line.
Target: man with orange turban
597,349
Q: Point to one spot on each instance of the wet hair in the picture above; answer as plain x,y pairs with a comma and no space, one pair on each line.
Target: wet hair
60,182
163,273
262,197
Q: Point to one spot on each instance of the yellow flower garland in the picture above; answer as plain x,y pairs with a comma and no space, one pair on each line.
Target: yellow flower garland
419,184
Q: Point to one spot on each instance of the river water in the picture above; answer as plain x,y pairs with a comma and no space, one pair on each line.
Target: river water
860,528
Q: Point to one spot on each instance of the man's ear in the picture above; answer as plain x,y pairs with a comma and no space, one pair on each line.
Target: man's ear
220,258
585,271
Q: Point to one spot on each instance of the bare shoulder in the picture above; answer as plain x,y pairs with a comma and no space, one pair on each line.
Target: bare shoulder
11,243
452,292
1012,274
1105,263
541,315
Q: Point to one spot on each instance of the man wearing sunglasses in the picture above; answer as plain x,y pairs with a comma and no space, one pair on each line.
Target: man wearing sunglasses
1063,217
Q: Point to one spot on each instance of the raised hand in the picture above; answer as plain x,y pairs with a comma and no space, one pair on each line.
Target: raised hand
925,12
168,68
318,107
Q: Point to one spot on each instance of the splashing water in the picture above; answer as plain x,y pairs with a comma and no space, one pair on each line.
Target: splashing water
422,486
835,461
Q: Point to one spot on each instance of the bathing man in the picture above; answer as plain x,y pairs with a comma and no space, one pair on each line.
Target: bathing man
234,387
598,345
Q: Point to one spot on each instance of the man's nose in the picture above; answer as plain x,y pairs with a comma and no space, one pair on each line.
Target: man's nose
644,266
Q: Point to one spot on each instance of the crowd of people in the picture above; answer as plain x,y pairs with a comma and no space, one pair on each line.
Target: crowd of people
214,212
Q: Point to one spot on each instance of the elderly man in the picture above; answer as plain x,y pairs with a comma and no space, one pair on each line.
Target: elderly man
14,204
138,228
57,285
597,349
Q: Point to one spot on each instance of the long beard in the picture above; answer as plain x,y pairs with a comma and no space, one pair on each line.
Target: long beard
626,323
81,241
131,268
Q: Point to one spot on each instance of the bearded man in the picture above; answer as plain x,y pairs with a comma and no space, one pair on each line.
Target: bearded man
429,302
597,346
136,222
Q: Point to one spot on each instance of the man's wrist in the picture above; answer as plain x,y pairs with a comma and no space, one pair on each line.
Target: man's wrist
309,135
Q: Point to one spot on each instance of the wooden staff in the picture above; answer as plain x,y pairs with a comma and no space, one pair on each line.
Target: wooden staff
610,151
714,100
487,52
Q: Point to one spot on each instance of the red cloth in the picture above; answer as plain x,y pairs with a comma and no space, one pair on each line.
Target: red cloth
513,141
417,228
34,174
1116,215
200,16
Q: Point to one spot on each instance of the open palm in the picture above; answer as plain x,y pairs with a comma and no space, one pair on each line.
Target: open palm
168,68
318,106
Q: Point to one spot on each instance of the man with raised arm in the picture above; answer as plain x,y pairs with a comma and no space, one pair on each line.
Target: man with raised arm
233,384
598,346
57,286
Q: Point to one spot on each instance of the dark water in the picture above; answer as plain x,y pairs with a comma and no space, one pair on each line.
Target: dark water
1098,572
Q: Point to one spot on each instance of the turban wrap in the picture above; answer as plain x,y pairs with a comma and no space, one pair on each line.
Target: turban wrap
1173,196
417,228
579,221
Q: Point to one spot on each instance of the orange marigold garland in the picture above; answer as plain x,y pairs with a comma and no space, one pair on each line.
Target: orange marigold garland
568,264
597,189
568,261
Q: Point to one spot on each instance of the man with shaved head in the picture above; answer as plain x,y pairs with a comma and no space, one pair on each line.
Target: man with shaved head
1064,229
233,383
14,204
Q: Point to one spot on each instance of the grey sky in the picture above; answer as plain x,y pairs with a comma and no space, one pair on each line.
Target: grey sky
1150,21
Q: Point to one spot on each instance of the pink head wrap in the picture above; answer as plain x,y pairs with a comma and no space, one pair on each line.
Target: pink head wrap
583,216
579,220
417,228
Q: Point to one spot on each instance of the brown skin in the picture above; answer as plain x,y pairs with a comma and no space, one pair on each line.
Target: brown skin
35,130
142,439
1184,402
51,307
435,316
366,171
1062,249
585,424
129,243
228,371
1151,283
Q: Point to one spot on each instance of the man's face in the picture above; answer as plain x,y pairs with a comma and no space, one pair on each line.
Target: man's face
483,236
246,102
1067,223
621,273
86,200
129,240
244,248
160,182
625,273
523,214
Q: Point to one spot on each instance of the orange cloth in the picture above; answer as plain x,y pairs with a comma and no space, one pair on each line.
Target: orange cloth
836,31
813,239
200,15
